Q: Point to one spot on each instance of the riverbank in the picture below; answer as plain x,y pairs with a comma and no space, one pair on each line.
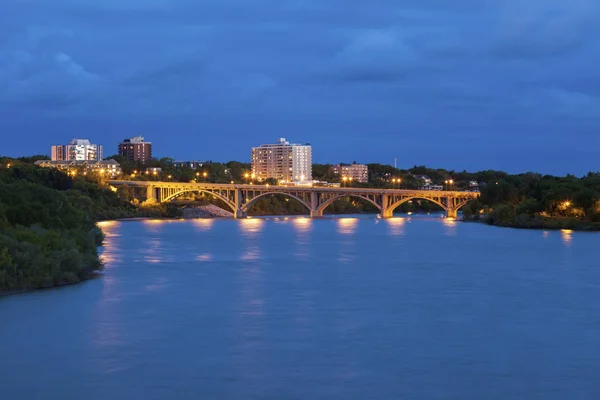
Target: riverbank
538,223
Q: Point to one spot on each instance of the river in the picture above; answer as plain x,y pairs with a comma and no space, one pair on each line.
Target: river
418,307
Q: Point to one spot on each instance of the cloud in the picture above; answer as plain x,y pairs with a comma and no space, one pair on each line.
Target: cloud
533,29
183,56
52,81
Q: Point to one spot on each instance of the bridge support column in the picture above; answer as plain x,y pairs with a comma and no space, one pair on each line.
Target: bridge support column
316,213
314,206
386,210
240,214
451,210
150,194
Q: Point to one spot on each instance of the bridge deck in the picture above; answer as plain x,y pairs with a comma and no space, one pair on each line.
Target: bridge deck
276,188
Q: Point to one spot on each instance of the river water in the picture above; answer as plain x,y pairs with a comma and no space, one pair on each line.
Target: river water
291,308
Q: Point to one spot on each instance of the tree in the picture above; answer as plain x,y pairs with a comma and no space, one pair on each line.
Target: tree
529,207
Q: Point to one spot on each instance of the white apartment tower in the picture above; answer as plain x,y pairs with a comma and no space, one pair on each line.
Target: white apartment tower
284,161
77,150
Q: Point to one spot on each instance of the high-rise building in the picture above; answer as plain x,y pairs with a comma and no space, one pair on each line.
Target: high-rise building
284,161
356,172
136,149
77,150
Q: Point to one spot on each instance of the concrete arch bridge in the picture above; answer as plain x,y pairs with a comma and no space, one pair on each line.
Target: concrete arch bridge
240,198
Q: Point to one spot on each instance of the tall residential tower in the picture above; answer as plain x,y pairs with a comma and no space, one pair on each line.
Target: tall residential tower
283,161
136,149
77,150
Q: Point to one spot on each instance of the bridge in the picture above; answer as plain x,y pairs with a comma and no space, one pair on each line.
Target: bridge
240,198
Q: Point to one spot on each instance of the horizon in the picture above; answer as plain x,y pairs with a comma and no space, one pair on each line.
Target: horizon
508,86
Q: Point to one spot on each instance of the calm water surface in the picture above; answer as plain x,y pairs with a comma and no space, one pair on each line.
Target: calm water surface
342,308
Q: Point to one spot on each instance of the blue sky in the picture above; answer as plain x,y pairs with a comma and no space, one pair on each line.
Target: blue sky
464,84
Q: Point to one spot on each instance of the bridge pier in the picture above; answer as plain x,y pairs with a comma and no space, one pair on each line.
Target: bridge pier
150,194
451,213
316,213
387,213
240,214
386,210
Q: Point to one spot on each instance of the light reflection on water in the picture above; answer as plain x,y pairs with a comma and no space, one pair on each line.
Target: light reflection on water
302,224
154,225
152,252
396,226
251,227
450,224
106,312
203,224
347,226
303,227
110,253
567,236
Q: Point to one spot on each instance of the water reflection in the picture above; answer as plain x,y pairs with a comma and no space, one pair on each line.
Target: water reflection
204,257
153,252
302,227
251,254
567,236
396,226
107,332
203,225
347,226
153,225
545,234
251,226
450,224
302,224
110,252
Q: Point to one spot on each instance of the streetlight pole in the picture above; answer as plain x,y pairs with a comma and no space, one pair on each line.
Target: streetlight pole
205,174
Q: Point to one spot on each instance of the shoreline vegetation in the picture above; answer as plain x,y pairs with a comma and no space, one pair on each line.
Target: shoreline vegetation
49,236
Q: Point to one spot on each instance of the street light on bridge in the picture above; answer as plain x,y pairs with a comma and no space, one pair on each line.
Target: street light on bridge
204,174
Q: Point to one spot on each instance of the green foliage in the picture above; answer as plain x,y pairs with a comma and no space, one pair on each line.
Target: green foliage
504,215
543,201
48,235
529,207
471,211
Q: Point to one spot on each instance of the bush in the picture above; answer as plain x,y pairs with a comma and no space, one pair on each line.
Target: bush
503,215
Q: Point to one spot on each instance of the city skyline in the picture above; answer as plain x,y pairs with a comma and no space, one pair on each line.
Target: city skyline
469,85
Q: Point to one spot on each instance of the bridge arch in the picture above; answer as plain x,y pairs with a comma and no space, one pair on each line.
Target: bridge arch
402,201
463,203
216,195
330,201
248,205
